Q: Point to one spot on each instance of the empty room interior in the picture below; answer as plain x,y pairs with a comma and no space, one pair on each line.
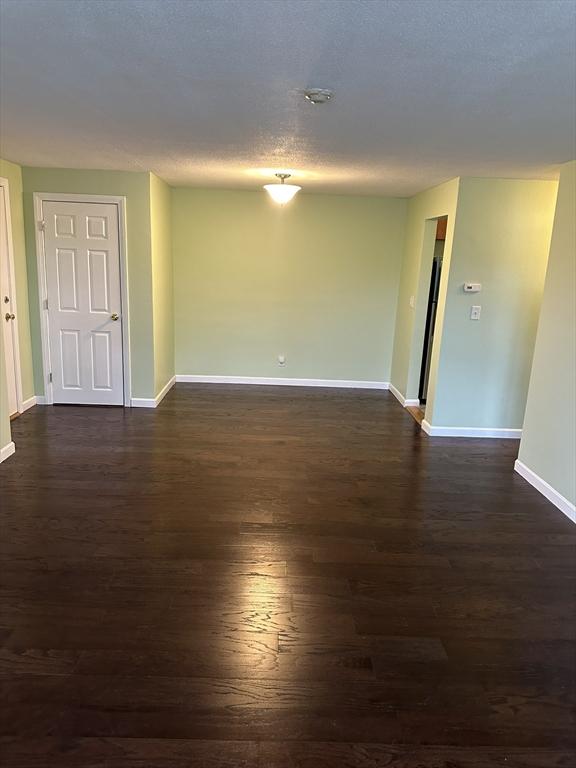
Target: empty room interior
288,383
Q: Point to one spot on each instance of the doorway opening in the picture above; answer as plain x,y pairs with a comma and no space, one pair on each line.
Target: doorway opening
432,308
9,317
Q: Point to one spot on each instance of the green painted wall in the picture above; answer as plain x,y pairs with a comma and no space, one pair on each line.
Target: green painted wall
501,239
316,280
223,282
135,187
13,174
423,210
162,281
548,444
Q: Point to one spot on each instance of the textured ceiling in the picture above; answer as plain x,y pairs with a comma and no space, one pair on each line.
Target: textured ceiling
209,93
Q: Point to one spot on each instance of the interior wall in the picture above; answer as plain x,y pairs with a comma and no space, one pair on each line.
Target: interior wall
325,281
423,210
316,281
135,187
13,173
501,240
548,446
162,281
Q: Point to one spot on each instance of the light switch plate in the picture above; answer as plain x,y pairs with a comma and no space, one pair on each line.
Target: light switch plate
475,312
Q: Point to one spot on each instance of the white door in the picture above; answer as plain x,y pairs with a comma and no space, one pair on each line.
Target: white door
8,307
81,245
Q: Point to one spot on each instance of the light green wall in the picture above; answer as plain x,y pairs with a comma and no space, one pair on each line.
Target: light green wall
548,444
423,210
13,174
162,281
222,282
501,239
135,187
316,280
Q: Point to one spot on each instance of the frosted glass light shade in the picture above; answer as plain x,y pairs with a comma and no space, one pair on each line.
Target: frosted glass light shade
282,193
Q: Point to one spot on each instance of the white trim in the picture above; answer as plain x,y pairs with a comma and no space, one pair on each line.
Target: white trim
13,298
404,402
42,296
28,403
511,434
398,395
120,202
546,490
165,389
7,451
142,402
282,382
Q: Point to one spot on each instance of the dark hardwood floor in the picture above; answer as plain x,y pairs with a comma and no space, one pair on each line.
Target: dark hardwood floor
279,578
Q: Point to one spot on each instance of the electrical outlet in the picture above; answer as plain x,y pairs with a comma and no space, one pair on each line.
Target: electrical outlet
281,359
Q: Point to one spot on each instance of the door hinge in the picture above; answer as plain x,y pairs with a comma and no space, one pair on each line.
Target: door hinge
50,378
42,225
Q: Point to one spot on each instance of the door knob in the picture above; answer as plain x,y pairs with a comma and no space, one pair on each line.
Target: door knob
114,316
9,316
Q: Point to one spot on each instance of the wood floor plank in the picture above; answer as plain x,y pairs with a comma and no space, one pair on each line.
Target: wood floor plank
278,578
133,753
331,755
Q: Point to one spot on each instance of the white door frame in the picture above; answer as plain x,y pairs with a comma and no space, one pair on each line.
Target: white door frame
120,203
12,287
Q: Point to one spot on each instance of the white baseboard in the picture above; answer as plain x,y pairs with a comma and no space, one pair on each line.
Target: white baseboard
510,434
165,389
135,402
282,382
404,401
398,395
153,402
7,451
546,490
29,403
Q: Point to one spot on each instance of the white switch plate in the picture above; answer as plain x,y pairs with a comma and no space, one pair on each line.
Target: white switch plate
281,359
475,312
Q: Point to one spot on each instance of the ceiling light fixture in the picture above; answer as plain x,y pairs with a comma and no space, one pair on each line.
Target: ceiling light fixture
318,95
282,193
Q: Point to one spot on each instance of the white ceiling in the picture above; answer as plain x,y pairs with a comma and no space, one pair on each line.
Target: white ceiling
209,92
